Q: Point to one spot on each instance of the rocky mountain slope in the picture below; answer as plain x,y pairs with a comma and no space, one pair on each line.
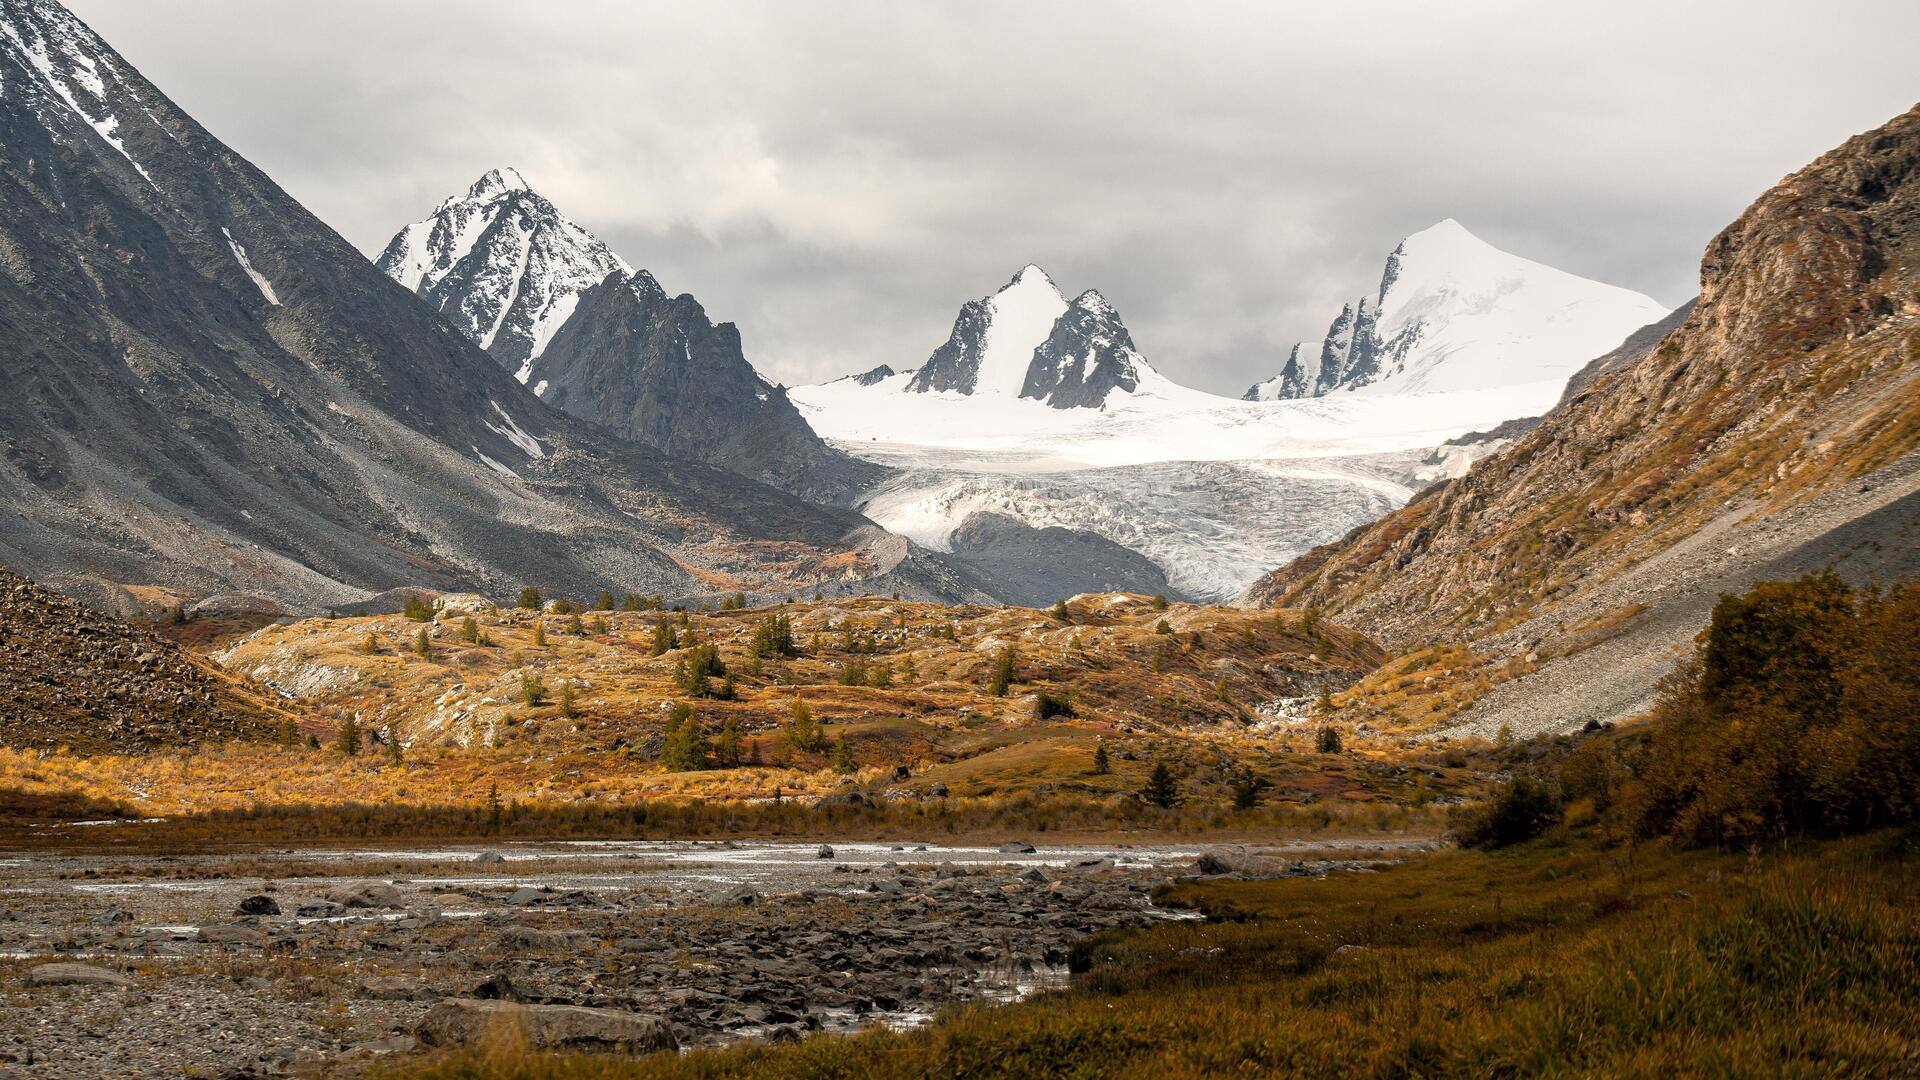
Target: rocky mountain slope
1455,313
1035,567
1794,380
72,677
206,388
598,339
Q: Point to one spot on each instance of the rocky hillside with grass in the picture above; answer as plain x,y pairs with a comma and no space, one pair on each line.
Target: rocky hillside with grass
72,677
1795,375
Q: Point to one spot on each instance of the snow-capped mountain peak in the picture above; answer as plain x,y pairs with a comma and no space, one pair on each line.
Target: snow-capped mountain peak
1453,312
994,338
503,264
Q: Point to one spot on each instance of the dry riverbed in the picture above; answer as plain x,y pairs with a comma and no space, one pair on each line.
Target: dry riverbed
288,962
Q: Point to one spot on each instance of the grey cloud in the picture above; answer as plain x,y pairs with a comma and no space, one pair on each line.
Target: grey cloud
838,177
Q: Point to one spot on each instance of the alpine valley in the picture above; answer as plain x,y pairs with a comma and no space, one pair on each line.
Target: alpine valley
459,657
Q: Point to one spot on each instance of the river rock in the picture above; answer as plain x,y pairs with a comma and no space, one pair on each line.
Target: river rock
259,905
460,1021
365,894
76,975
1016,847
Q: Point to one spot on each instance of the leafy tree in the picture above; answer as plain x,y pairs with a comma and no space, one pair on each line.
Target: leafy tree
530,598
1002,676
1161,791
1101,766
1328,741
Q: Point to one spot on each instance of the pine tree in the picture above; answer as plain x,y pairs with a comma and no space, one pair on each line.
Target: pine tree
881,677
530,598
664,638
1101,767
395,756
371,645
597,626
496,813
726,750
606,601
1159,601
417,609
1059,611
288,732
685,747
566,701
1329,741
470,631
803,731
1163,627
349,738
1160,789
575,627
842,756
421,644
540,635
1002,677
631,603
532,691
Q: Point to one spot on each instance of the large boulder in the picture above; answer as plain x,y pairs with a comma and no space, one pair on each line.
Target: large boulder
365,894
76,975
461,1021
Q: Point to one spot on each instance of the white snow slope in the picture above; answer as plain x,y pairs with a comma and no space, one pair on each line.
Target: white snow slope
1217,490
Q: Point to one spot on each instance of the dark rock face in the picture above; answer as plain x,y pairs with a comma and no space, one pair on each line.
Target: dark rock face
70,676
879,374
1088,355
955,365
656,370
1634,349
602,341
205,387
1034,567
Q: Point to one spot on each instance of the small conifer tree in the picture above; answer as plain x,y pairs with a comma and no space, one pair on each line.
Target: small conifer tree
349,738
1002,676
530,598
470,631
422,645
842,756
1329,740
1101,766
1160,790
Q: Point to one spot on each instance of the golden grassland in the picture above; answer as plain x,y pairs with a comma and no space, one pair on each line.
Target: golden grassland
1568,956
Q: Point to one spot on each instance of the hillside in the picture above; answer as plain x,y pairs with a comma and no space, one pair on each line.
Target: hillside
72,677
208,389
1796,374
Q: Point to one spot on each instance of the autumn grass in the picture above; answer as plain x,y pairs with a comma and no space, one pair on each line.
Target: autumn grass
1563,957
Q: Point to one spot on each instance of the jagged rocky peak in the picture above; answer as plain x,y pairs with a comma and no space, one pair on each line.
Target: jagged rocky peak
504,266
872,376
1453,312
994,338
1087,355
1296,378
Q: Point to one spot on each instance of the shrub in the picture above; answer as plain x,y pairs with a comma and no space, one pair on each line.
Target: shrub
1328,741
1799,713
1059,611
532,691
1520,810
1047,705
530,598
417,609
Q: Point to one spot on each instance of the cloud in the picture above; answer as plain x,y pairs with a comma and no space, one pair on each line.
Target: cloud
838,177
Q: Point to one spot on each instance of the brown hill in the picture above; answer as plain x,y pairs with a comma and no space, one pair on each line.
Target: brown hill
70,676
1797,373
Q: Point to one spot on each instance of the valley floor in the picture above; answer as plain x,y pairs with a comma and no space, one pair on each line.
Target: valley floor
1563,957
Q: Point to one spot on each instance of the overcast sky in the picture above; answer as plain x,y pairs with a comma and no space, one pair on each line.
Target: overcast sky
837,178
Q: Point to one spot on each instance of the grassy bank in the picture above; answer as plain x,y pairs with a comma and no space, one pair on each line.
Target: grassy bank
1564,956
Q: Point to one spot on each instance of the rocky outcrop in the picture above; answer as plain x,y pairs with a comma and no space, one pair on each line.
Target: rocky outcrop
463,1021
1035,567
70,676
1637,347
1797,371
1087,356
